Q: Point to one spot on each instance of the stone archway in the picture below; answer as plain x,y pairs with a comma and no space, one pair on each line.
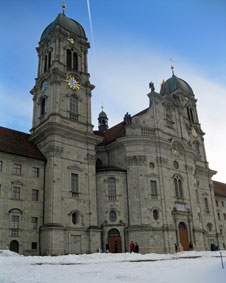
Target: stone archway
14,246
114,241
183,234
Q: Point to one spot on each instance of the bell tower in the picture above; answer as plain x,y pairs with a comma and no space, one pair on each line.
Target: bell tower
63,131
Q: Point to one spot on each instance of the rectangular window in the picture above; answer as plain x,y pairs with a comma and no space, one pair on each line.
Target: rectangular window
206,204
17,169
34,245
34,223
35,172
1,163
16,193
217,203
222,203
74,184
154,193
35,195
224,216
0,190
219,216
14,225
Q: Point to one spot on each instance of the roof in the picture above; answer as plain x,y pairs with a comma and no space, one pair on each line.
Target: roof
15,142
66,23
115,132
175,83
219,189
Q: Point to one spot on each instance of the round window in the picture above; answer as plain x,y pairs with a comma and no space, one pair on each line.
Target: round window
175,164
112,215
155,214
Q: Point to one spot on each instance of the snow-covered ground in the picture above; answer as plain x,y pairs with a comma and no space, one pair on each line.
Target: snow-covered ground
183,267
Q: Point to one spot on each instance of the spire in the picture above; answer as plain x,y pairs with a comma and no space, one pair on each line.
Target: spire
172,68
63,7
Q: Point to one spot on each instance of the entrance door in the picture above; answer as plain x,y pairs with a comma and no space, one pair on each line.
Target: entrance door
14,246
114,241
75,245
183,233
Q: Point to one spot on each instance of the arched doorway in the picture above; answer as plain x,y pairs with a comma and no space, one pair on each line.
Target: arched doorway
183,233
114,241
14,246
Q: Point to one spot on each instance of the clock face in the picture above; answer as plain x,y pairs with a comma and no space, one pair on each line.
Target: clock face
73,83
194,133
44,85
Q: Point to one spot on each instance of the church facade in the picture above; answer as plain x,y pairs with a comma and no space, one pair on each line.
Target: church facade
66,189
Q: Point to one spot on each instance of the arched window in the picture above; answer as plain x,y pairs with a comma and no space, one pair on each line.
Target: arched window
73,108
49,59
111,189
178,187
112,216
68,58
74,217
45,64
75,61
43,107
190,114
155,214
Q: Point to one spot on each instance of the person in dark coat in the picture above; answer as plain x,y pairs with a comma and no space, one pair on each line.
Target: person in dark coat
190,246
212,247
131,246
136,248
107,247
176,247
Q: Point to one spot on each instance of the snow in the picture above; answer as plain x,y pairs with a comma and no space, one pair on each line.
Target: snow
183,267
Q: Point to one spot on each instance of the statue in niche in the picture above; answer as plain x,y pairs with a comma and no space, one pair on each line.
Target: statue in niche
152,86
168,113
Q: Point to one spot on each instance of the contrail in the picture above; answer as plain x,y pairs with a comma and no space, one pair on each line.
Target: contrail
90,22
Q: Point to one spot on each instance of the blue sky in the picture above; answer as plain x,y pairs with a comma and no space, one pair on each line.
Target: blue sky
133,44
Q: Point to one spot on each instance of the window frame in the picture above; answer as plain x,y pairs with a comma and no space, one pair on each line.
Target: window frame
34,223
112,193
1,165
74,184
35,172
35,195
112,215
16,193
17,169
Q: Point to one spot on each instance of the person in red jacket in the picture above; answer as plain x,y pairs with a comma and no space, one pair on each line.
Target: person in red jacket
131,246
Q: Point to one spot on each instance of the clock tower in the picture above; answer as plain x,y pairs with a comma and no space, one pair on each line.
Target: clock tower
63,132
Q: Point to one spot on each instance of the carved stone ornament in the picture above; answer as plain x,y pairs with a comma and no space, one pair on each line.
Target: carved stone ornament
53,150
161,161
136,160
91,158
127,119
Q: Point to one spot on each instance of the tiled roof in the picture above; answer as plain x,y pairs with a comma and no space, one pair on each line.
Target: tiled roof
115,132
219,189
15,142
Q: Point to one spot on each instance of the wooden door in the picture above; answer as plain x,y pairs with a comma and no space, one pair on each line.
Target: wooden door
14,246
183,234
114,244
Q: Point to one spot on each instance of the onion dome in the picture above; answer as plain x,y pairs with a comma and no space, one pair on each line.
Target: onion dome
67,24
103,121
175,83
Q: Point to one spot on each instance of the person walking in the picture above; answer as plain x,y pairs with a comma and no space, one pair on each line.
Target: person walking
131,247
190,246
136,248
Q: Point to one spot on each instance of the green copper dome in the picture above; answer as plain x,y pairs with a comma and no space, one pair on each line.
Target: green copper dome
175,83
66,23
102,115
